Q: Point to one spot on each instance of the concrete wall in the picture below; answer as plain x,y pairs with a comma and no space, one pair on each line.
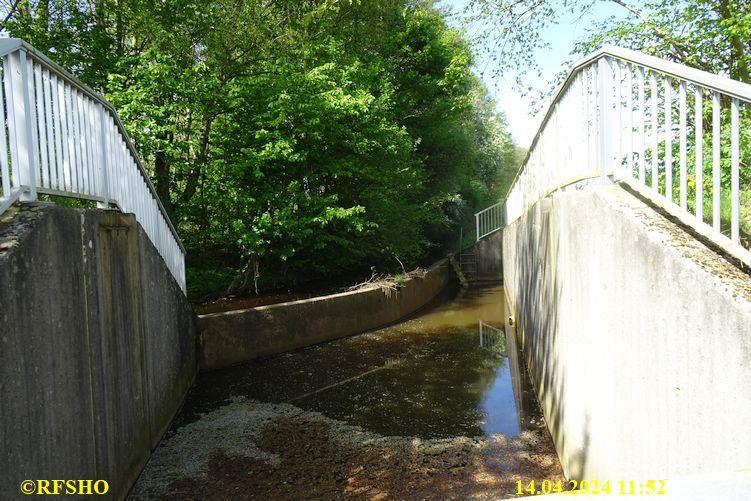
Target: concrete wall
96,347
638,338
489,257
238,336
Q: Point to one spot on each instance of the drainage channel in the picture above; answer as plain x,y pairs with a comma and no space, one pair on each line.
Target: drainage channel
436,407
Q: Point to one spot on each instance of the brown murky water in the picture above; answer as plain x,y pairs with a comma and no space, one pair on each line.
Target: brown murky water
426,409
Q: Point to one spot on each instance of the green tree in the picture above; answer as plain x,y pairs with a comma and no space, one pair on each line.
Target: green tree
289,140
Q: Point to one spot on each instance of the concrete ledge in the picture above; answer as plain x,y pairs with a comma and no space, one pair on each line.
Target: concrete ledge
238,336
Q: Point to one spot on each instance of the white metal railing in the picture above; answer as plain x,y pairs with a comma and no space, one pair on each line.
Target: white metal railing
489,220
61,138
668,131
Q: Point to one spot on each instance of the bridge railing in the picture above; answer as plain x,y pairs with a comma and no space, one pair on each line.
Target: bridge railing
679,136
61,138
489,219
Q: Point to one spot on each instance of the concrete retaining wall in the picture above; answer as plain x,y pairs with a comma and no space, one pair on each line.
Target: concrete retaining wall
637,335
97,347
238,336
488,252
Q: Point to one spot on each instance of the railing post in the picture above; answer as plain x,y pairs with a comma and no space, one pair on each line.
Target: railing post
477,226
19,123
29,125
105,193
606,116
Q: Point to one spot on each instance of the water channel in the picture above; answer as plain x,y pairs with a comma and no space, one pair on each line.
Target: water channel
445,392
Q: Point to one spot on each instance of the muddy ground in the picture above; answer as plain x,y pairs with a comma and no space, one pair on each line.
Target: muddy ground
253,450
412,411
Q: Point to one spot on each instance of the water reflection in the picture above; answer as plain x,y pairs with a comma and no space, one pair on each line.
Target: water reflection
459,374
429,377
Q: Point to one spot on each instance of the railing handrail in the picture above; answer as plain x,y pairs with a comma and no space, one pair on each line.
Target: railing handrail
611,103
9,45
489,219
63,138
490,207
711,81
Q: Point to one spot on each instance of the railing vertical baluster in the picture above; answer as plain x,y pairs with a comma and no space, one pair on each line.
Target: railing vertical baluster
668,85
42,106
86,129
597,112
716,188
605,95
110,163
124,189
75,140
619,114
81,145
4,160
683,126
588,117
117,177
641,119
16,126
477,226
734,175
27,79
64,136
103,190
48,109
654,131
92,143
699,147
630,104
63,174
556,140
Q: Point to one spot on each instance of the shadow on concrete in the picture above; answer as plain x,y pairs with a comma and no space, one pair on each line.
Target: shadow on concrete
536,292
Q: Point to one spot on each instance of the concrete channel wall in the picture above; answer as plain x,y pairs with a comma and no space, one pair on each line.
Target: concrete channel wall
234,337
488,252
97,347
638,338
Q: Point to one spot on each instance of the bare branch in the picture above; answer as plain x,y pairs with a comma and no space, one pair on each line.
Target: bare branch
12,11
680,48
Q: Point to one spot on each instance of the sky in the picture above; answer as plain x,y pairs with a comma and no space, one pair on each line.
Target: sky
522,124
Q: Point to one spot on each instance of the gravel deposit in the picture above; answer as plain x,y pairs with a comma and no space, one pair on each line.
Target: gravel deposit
253,450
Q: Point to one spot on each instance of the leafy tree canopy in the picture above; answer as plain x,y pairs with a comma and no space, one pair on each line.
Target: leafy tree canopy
290,140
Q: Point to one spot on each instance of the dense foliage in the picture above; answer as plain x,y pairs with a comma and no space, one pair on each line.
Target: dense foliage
290,140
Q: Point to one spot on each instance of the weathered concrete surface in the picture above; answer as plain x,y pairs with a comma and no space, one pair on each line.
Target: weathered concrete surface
637,335
489,257
237,336
96,347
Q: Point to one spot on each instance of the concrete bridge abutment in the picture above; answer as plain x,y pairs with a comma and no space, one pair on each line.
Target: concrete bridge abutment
97,348
638,338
